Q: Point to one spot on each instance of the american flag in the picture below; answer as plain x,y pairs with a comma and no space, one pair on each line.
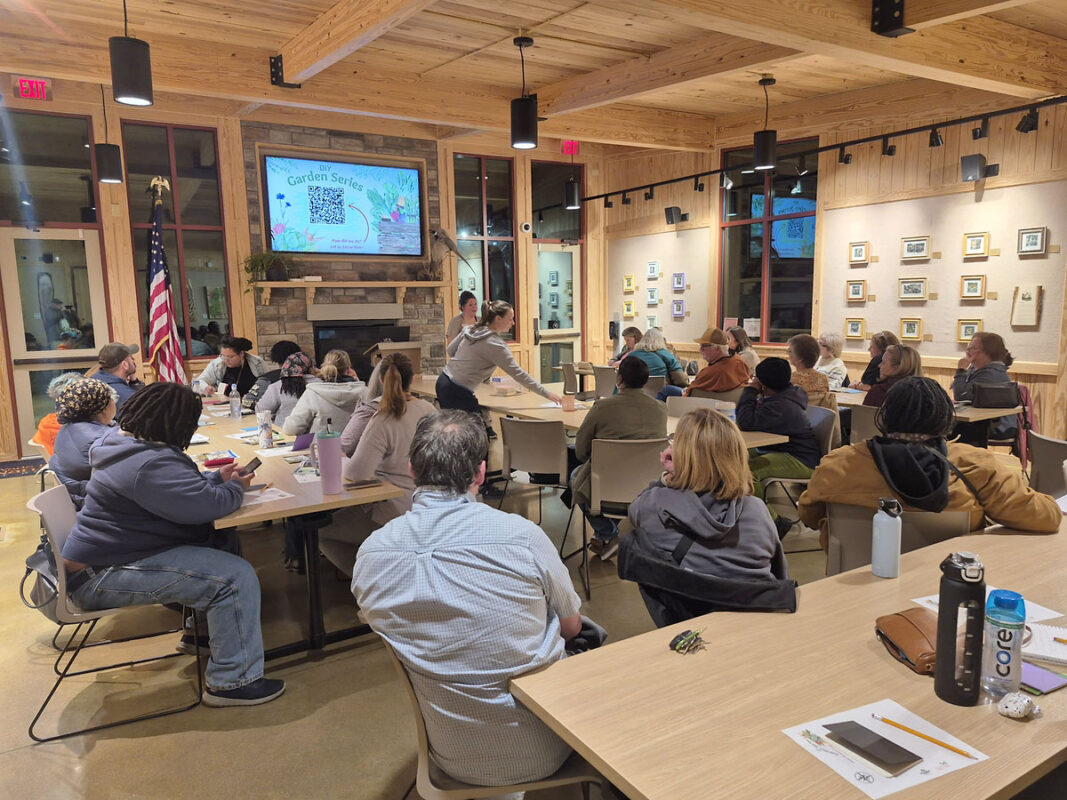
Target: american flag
163,352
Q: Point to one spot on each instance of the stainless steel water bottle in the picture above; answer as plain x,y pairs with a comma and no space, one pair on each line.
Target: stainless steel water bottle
960,616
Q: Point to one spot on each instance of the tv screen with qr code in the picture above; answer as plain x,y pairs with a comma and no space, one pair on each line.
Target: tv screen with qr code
343,208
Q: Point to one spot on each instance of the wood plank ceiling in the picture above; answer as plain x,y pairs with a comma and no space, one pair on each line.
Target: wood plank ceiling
662,73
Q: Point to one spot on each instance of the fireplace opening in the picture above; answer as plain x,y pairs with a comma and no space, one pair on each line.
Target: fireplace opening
355,338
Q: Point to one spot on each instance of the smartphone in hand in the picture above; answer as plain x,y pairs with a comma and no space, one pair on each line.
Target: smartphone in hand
250,467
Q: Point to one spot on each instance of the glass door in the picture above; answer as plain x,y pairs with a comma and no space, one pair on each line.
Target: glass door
55,311
559,297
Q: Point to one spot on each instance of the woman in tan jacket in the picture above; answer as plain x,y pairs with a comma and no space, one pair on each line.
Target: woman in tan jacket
907,462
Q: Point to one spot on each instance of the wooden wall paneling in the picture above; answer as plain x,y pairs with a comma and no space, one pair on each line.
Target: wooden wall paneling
10,447
817,271
447,189
235,206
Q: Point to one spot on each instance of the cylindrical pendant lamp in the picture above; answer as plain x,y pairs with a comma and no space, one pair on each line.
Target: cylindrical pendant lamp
108,163
131,71
524,122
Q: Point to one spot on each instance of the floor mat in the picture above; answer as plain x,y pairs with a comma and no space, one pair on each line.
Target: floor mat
17,469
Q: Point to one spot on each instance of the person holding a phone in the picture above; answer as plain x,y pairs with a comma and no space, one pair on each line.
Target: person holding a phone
145,536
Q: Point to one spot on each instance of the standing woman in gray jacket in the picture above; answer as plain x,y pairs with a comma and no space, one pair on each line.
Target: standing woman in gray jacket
476,353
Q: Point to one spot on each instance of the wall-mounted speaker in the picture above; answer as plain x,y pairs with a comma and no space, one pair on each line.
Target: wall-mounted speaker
674,215
974,168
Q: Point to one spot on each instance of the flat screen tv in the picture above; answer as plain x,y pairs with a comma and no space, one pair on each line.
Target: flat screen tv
315,205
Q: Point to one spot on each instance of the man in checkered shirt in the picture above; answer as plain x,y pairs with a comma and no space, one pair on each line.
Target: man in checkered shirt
469,597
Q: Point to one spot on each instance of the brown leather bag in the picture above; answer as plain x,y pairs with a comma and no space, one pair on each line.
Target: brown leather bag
910,636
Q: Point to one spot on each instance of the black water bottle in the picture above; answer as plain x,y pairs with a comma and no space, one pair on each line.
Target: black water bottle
958,670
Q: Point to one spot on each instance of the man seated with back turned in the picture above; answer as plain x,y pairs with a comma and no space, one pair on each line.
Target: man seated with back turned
630,414
723,372
118,369
468,597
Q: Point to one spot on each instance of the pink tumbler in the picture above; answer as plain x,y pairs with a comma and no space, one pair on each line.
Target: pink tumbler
327,447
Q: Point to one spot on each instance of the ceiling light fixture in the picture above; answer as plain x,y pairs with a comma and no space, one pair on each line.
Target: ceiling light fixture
131,67
797,188
24,195
727,181
626,199
935,138
843,157
524,108
887,148
982,131
572,197
765,142
802,168
650,192
540,216
698,185
607,202
1028,124
108,157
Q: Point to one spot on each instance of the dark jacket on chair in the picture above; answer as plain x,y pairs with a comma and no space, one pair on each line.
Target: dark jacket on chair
782,413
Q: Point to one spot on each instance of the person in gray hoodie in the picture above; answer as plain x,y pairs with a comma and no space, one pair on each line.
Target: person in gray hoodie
476,353
85,408
700,520
332,399
145,536
986,361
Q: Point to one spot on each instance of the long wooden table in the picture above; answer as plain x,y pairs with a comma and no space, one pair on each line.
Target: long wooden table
307,499
964,413
663,726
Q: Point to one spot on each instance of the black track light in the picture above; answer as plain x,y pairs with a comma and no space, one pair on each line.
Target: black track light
1028,124
540,216
802,169
650,192
626,199
698,185
131,67
843,157
765,142
524,108
982,131
608,203
572,196
887,148
935,138
727,181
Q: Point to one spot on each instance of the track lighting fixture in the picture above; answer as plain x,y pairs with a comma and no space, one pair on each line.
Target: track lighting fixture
935,138
982,131
108,156
24,195
626,199
131,67
1028,124
887,148
765,142
524,108
802,168
843,157
727,181
797,187
540,216
698,185
608,203
572,196
650,192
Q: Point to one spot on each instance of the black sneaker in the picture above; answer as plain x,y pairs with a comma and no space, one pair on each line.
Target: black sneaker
252,694
192,646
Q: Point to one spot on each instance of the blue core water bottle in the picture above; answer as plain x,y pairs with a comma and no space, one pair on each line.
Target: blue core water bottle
1005,620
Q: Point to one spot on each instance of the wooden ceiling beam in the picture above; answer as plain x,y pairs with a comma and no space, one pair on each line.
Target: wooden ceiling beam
340,31
980,53
716,54
920,14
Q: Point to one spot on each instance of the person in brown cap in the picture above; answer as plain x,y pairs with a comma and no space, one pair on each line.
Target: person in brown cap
723,372
117,367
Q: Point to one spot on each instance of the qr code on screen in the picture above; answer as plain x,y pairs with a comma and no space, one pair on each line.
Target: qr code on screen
794,228
326,205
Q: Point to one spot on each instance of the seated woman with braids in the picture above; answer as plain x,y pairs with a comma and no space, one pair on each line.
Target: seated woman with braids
144,535
912,462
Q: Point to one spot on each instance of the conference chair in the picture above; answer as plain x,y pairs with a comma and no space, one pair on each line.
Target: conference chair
655,385
849,530
1046,468
57,513
731,396
534,446
822,421
570,382
604,381
863,427
45,470
680,406
620,469
434,783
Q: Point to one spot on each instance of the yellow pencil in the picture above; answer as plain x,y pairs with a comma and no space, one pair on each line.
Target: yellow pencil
906,729
1058,639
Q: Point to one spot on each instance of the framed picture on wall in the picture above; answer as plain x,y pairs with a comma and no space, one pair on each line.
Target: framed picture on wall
678,309
653,270
857,252
652,321
914,248
856,328
627,283
553,299
627,308
972,287
472,283
678,281
652,293
967,328
911,289
975,245
1032,241
855,291
553,278
911,329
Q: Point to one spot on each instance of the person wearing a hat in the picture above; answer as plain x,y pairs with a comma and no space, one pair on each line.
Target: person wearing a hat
117,368
773,404
723,372
85,408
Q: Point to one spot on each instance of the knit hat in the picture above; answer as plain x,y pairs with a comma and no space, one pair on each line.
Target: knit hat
111,355
774,373
712,336
82,400
296,365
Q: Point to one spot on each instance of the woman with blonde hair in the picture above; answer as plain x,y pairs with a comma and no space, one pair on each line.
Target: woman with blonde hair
898,362
830,363
701,519
329,401
630,337
879,342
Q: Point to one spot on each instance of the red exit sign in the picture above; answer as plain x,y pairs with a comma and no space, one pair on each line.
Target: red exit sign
32,88
569,148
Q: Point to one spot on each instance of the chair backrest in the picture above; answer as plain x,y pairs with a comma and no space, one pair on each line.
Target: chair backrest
822,424
680,406
41,449
655,385
534,445
570,379
849,533
604,381
731,396
57,517
620,469
1046,470
863,427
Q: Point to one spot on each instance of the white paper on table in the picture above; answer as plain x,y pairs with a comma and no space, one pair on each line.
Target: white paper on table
752,326
264,496
936,760
1034,612
274,452
219,413
550,404
199,438
306,475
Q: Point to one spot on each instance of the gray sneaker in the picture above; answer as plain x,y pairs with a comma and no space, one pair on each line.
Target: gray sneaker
251,694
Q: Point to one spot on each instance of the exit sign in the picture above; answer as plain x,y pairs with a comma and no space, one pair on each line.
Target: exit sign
32,88
569,148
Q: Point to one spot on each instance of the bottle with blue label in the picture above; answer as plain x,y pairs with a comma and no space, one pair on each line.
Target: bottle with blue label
1005,620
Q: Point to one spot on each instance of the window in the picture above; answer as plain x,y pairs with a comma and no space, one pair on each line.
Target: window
193,233
768,250
485,227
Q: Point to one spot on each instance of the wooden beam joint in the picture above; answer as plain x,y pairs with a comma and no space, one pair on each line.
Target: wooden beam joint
277,74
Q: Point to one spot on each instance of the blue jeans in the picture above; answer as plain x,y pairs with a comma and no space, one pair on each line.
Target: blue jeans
669,391
220,583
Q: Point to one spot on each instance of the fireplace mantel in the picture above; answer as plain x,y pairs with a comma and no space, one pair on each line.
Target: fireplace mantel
310,286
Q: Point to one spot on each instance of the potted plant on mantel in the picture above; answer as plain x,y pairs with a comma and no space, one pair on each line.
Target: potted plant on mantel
269,266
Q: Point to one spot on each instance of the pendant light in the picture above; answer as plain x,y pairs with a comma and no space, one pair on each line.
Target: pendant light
131,67
524,108
765,142
108,156
572,195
